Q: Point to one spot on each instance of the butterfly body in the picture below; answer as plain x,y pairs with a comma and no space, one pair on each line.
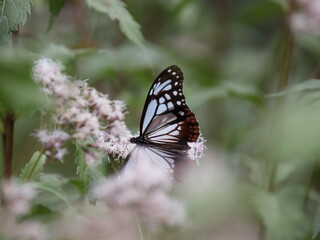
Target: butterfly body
167,124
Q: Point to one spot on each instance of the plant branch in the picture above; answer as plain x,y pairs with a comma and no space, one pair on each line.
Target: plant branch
288,47
7,140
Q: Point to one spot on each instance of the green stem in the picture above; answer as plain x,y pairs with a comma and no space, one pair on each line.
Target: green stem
7,141
139,228
288,47
284,77
310,184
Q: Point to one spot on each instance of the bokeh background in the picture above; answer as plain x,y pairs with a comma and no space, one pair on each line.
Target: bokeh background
262,136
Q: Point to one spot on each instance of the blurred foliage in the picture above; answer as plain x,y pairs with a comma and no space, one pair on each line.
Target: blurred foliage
230,53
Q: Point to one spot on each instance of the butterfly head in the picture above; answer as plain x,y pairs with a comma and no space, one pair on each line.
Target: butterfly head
139,140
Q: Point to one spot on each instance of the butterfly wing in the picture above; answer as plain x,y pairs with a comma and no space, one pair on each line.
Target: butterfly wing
166,119
158,159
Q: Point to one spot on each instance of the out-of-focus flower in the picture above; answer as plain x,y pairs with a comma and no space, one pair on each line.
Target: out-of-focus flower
117,225
308,18
143,191
16,198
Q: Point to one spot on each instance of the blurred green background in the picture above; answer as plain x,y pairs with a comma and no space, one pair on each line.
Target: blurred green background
231,53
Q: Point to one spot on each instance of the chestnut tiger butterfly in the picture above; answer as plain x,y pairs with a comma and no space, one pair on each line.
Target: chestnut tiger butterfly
166,126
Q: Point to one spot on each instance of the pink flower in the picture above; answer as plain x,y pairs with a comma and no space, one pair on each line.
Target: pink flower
16,196
53,142
308,19
48,74
16,202
142,190
196,149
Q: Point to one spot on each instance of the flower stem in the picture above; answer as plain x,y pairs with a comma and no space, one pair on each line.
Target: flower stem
310,184
284,76
7,140
139,228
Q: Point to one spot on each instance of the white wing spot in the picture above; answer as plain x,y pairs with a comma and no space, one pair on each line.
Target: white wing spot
176,83
159,87
175,93
169,70
167,88
149,113
178,102
174,73
175,132
181,113
161,100
180,94
161,108
170,105
151,92
177,76
167,96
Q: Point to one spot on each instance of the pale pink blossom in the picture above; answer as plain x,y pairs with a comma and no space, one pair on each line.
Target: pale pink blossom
119,129
87,125
308,18
49,74
114,146
16,199
117,225
118,112
16,196
143,190
196,149
81,111
52,143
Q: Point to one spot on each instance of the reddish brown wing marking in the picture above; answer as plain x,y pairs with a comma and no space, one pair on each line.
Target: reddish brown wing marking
189,128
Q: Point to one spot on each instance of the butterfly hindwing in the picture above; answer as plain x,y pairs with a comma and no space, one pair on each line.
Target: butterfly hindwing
166,160
166,118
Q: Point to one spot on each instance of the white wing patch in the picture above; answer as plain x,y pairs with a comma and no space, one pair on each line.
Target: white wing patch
149,114
146,157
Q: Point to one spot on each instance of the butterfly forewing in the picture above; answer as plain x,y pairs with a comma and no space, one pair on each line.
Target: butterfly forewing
166,118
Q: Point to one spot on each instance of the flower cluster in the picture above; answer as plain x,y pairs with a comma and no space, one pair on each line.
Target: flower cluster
308,19
15,199
82,114
142,192
196,149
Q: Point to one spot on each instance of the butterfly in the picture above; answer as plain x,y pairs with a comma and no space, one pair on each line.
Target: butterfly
167,125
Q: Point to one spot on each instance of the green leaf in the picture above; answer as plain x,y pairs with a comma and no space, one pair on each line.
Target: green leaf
34,167
116,10
15,11
87,174
53,188
226,90
4,32
278,212
39,212
316,225
312,84
55,7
